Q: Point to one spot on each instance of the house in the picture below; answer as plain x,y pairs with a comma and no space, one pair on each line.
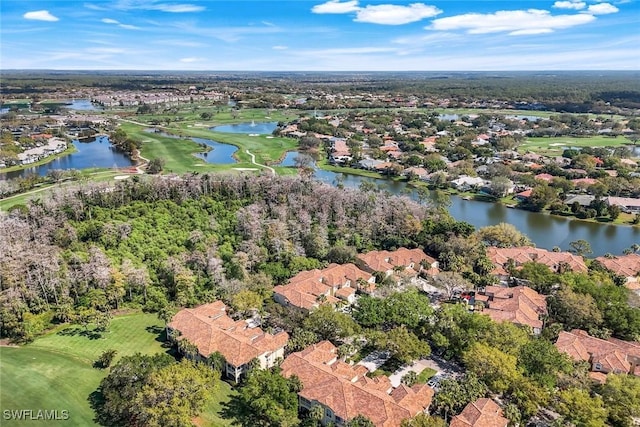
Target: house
481,413
210,329
626,266
344,391
604,356
627,204
307,290
544,177
465,182
502,258
520,305
403,260
583,200
524,195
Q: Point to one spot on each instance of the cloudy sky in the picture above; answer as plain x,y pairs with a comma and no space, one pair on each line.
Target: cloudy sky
335,35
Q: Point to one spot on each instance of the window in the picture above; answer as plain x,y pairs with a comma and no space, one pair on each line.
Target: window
329,413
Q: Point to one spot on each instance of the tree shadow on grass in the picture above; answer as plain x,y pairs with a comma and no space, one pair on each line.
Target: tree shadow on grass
76,331
235,411
97,402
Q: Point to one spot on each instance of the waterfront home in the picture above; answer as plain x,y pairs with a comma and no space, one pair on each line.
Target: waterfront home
465,183
504,258
627,204
239,341
343,391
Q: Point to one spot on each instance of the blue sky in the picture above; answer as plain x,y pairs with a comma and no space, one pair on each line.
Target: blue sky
335,35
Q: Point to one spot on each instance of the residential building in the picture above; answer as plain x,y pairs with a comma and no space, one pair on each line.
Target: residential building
210,329
308,289
627,204
627,266
403,260
520,305
502,258
481,413
344,391
464,183
604,356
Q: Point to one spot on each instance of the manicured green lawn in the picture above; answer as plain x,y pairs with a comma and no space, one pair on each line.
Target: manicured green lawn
211,416
425,375
56,372
554,146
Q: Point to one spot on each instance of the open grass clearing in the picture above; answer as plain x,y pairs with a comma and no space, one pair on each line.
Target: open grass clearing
556,145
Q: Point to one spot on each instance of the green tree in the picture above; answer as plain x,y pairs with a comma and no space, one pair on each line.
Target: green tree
579,408
155,166
494,367
574,310
360,421
267,399
541,360
455,393
405,346
105,359
423,420
329,324
621,396
503,235
580,247
175,394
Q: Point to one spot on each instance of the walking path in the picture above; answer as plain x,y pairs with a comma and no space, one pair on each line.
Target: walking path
253,160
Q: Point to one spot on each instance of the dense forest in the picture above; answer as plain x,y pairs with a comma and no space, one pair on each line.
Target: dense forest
83,253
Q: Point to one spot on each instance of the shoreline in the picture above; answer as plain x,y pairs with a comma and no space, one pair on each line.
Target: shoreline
70,150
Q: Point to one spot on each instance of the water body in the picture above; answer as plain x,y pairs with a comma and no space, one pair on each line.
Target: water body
81,105
546,231
221,153
261,128
288,159
96,154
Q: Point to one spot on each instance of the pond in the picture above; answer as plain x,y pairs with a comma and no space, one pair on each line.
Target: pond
96,153
260,128
81,105
221,153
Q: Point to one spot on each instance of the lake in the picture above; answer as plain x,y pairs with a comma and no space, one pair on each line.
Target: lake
96,154
546,231
261,128
221,153
81,105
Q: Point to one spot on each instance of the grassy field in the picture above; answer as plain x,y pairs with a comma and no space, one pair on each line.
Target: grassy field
555,146
56,372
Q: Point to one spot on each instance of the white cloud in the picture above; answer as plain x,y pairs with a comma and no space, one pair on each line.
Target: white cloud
40,15
119,24
190,60
391,14
572,4
514,22
177,8
345,51
602,9
279,47
335,6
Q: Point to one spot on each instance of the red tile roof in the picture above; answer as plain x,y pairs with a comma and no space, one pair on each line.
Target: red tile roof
348,392
521,305
610,355
211,330
305,288
520,255
386,260
627,265
481,413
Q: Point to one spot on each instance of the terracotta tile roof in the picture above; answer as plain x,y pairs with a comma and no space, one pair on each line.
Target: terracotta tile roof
348,392
520,255
305,288
570,344
598,377
481,413
610,355
211,330
521,305
386,260
626,265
